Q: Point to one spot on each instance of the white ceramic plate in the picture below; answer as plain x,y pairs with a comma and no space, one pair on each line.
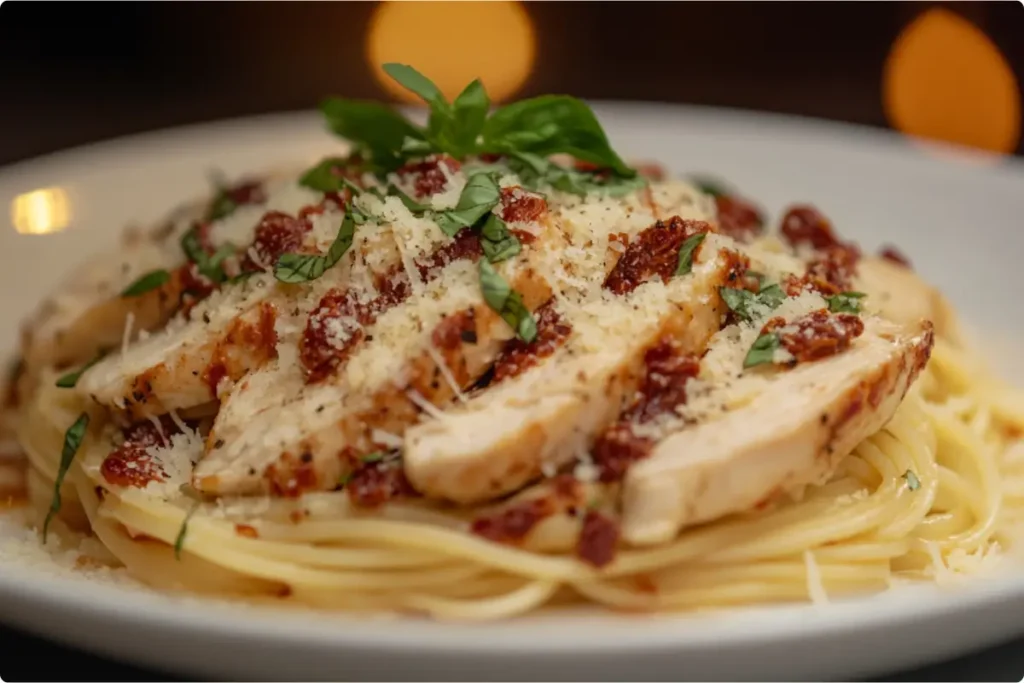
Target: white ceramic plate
957,215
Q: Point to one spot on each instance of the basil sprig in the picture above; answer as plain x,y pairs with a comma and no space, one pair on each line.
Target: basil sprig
147,282
845,302
72,442
747,305
538,173
506,303
542,126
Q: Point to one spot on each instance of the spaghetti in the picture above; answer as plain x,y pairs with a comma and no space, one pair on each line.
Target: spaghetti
483,394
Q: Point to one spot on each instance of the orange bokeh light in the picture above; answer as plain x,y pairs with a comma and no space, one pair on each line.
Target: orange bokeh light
944,79
453,43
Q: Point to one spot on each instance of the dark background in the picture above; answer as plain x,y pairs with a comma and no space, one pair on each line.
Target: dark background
73,73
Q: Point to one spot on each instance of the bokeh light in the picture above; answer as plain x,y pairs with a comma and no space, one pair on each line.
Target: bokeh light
41,211
454,42
944,79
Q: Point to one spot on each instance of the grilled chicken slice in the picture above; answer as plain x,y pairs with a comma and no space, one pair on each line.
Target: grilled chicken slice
546,417
418,354
770,430
897,293
186,366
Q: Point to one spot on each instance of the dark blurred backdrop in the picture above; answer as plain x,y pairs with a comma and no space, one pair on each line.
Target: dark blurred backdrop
72,73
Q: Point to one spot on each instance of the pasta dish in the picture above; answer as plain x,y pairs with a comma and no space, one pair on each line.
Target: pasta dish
483,366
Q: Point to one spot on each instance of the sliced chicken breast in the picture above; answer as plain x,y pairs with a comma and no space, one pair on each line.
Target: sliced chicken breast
416,355
769,429
544,418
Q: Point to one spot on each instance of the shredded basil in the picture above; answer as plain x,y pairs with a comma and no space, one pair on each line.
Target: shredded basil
507,303
479,196
746,304
179,541
147,282
714,188
69,380
296,268
72,442
322,177
498,242
845,302
686,249
762,350
913,483
375,456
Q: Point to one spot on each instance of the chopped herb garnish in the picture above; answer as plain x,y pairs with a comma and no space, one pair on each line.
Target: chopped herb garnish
222,206
762,350
537,173
685,264
845,302
479,196
375,456
414,206
746,304
147,282
507,303
498,242
296,268
323,178
69,380
345,479
179,542
209,266
913,483
72,441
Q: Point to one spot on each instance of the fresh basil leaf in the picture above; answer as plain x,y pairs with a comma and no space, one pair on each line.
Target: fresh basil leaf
296,268
372,127
322,177
179,541
498,242
845,302
414,206
913,483
552,124
147,282
469,113
686,249
507,303
772,295
69,380
415,82
208,265
536,172
747,305
479,196
762,350
72,442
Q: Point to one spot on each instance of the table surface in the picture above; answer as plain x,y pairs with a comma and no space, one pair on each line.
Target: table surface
27,658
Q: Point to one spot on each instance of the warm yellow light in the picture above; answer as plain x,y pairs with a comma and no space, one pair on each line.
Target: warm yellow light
944,79
41,211
454,42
